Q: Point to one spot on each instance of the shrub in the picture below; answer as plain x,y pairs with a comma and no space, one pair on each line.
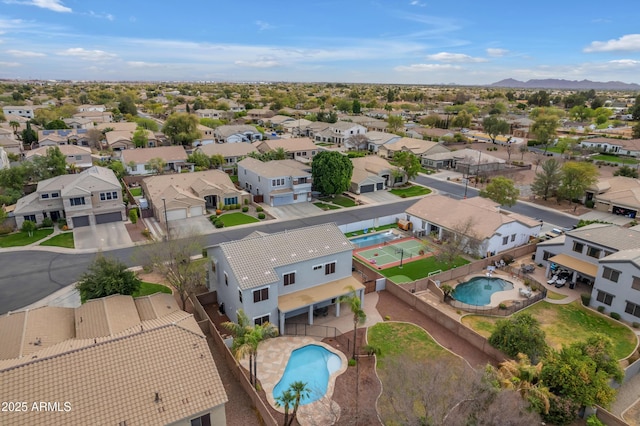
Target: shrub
259,209
133,216
615,316
145,232
238,206
387,318
635,324
213,217
47,222
218,223
592,420
590,203
246,201
586,299
4,229
261,215
600,309
204,252
352,362
502,306
245,209
62,223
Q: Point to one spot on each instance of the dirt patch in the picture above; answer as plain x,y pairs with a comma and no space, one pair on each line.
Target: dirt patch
135,231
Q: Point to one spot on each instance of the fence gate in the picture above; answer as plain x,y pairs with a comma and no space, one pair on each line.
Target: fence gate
381,284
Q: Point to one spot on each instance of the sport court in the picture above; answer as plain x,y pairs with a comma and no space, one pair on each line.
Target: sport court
393,253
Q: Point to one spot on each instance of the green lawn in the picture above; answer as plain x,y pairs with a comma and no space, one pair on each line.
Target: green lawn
613,159
150,288
565,324
379,228
421,268
411,191
325,206
233,219
22,238
61,240
340,200
136,192
234,178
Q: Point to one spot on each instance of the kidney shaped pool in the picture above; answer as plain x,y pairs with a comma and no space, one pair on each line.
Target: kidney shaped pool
478,290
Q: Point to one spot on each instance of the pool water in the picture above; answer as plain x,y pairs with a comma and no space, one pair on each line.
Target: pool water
478,290
313,365
373,240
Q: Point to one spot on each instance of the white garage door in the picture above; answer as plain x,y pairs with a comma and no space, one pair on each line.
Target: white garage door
176,214
195,211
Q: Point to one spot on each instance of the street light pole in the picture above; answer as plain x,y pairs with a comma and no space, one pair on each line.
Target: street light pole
166,221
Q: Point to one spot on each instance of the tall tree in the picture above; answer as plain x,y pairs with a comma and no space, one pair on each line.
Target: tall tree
140,138
107,276
462,119
547,181
408,162
157,164
395,123
501,190
636,131
331,172
359,316
56,124
299,390
460,239
15,125
29,135
520,334
524,378
544,127
182,128
495,126
241,346
258,334
55,161
576,178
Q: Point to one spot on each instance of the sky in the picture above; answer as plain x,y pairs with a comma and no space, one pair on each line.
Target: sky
466,42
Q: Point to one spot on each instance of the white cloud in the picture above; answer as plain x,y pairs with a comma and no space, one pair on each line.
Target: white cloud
496,53
9,64
142,64
629,43
454,57
107,16
427,67
266,63
625,63
53,5
87,55
25,54
417,3
264,25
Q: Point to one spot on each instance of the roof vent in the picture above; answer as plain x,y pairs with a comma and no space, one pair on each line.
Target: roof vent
157,398
38,342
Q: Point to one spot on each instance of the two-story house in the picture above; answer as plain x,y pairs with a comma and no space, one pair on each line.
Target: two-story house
25,111
76,157
273,277
280,182
376,139
233,133
296,148
479,219
137,161
89,198
339,132
373,173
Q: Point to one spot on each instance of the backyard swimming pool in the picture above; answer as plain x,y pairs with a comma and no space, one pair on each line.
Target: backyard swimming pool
478,290
373,240
312,364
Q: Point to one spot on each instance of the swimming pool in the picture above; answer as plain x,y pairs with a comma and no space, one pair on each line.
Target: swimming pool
478,290
373,240
312,364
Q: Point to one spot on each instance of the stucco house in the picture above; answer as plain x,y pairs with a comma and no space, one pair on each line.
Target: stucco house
480,219
207,136
467,161
279,182
376,139
296,148
210,113
233,133
187,195
618,195
630,147
136,161
96,116
9,142
339,132
373,173
77,157
417,147
49,351
91,197
274,277
25,111
231,152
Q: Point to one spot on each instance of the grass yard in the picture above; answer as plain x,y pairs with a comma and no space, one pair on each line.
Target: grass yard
22,238
565,324
61,240
613,159
136,192
555,296
234,219
150,288
378,229
411,191
421,268
340,200
325,206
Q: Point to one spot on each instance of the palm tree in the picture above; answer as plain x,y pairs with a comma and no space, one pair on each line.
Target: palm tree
524,378
256,335
280,154
241,345
14,125
359,316
286,399
299,390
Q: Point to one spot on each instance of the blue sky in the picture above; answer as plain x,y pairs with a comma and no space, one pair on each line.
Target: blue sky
381,41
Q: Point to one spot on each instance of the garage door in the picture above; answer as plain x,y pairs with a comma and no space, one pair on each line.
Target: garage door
80,221
108,217
176,214
195,211
366,188
380,185
281,201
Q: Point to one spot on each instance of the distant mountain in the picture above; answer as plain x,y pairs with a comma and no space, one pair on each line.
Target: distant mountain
554,83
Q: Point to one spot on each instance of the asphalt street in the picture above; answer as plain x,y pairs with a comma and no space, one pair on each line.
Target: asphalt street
27,276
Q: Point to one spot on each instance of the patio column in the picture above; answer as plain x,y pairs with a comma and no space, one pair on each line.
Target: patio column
362,298
574,277
338,309
546,273
281,323
310,314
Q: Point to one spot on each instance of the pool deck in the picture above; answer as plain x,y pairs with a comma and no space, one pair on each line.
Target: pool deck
273,355
499,296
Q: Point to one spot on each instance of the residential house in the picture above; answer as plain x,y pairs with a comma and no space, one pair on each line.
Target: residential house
114,360
295,127
119,140
467,161
261,114
493,230
417,147
4,160
230,152
301,149
136,161
95,116
207,136
9,142
618,195
602,255
233,133
120,126
182,195
25,111
630,147
373,173
372,124
313,128
430,133
375,139
79,123
279,182
210,113
92,108
274,277
76,157
91,197
63,137
339,132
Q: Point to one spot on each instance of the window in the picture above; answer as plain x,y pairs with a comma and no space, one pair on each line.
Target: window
226,279
593,252
261,320
546,255
45,196
277,182
633,309
289,278
240,295
202,420
513,237
505,240
30,217
330,268
317,267
78,201
260,295
611,274
54,195
604,297
635,284
607,253
230,200
108,196
146,167
578,247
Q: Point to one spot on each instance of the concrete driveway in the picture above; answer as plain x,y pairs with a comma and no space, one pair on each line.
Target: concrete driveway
199,225
106,236
606,217
293,211
377,197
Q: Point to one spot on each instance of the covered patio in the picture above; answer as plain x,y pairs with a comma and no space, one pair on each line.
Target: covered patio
321,296
582,270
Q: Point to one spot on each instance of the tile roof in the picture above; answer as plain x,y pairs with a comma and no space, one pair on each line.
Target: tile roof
64,149
252,260
232,129
631,255
276,168
143,155
416,146
227,149
289,145
612,236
